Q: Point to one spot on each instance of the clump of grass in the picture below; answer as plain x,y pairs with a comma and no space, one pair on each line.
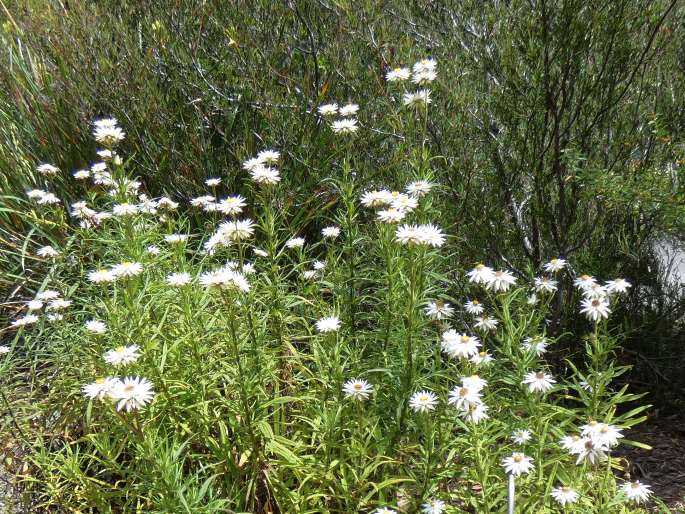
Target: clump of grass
251,367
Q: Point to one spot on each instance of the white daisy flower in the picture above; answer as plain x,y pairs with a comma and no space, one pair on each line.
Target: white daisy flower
81,174
152,249
404,203
167,203
213,181
485,323
34,305
202,201
536,345
518,464
584,281
424,65
463,397
420,98
595,309
47,169
636,491
545,285
474,307
35,194
132,393
328,324
475,413
269,156
457,345
96,326
474,382
618,285
555,265
108,135
564,495
439,310
433,506
124,209
572,443
176,238
47,295
265,176
318,265
348,110
105,154
58,304
376,198
309,274
391,215
295,242
100,389
178,279
260,253
29,319
330,232
423,401
225,278
419,188
122,355
481,274
4,349
521,436
48,199
127,269
397,74
589,450
384,510
344,126
357,389
500,281
539,381
328,109
481,358
595,291
232,205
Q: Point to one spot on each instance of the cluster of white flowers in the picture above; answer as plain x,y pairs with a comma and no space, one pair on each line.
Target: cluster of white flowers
344,125
261,167
228,233
50,301
467,399
123,270
422,73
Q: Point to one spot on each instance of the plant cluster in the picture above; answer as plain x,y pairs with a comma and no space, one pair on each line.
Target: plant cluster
245,367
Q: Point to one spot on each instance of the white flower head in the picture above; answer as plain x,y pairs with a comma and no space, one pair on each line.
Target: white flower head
564,495
100,389
423,401
81,174
539,381
438,309
480,274
48,294
618,285
265,176
433,506
474,307
518,464
636,491
397,74
328,109
419,188
349,109
328,324
96,326
420,98
357,389
595,309
330,232
345,126
178,279
500,280
127,269
132,393
213,181
555,265
545,285
122,355
521,436
29,319
269,156
34,305
486,323
232,205
47,169
457,345
4,349
295,242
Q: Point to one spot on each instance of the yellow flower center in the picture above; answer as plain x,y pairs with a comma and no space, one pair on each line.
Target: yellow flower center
119,349
99,380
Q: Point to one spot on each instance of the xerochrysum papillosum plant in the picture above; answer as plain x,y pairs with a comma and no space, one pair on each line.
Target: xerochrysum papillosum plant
256,365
